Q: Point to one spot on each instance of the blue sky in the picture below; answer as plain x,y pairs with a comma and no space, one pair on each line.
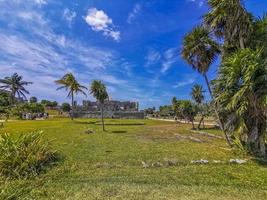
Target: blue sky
132,46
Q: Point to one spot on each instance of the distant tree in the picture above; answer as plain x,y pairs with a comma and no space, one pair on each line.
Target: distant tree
198,97
48,103
65,107
98,90
4,99
150,111
16,86
188,111
4,105
33,107
33,100
166,111
69,83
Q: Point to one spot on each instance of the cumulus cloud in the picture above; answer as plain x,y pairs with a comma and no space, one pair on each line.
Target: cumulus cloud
99,21
134,13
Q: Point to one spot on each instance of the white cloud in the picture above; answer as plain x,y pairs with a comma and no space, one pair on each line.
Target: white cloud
99,21
41,2
134,13
170,57
199,2
69,16
152,57
185,82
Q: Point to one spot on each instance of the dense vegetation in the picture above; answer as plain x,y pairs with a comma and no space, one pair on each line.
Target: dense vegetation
25,156
240,91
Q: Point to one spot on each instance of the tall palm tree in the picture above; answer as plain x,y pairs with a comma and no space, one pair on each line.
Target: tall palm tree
198,97
98,90
200,51
69,83
16,86
230,20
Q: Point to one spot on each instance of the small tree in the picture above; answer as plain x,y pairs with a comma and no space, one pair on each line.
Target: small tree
98,90
198,97
188,111
33,100
65,107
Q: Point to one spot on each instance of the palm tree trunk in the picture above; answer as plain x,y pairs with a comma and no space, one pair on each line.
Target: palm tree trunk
241,42
12,98
216,112
102,116
72,105
262,148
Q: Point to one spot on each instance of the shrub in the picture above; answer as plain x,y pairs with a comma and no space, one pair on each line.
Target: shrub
26,156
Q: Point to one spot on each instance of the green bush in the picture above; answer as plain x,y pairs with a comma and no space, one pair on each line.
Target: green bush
25,156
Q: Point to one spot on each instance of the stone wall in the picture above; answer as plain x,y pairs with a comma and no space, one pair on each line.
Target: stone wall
111,114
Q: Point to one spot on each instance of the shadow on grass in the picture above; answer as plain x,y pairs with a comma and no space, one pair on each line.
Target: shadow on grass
81,122
119,131
210,128
121,124
261,161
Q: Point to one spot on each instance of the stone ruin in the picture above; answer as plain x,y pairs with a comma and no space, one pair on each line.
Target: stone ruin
112,109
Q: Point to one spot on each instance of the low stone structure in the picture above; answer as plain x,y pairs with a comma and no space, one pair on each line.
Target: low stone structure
112,109
110,114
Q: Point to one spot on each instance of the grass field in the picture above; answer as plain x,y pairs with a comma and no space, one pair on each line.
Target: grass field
108,165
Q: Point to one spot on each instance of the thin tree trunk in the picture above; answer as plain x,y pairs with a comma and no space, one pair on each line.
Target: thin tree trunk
72,105
102,117
193,125
262,144
200,122
217,113
241,41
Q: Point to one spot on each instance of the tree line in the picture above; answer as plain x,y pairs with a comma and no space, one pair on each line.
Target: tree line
13,95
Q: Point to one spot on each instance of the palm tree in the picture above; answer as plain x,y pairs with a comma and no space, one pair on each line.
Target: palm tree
198,97
230,20
242,91
16,86
69,83
98,90
200,51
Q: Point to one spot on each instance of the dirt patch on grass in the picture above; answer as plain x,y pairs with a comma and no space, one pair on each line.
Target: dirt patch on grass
173,132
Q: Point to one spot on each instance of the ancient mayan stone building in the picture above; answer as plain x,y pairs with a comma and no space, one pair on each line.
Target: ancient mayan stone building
112,109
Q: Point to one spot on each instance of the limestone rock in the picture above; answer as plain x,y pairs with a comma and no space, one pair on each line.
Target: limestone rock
202,161
237,161
145,165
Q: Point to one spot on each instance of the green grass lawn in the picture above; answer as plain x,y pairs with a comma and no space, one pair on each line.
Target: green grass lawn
108,165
